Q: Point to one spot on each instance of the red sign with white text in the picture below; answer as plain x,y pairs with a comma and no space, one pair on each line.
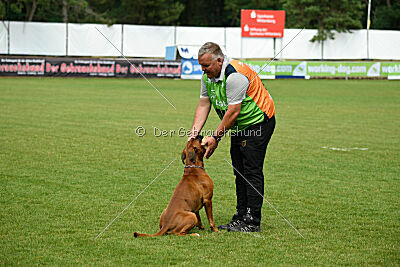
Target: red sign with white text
262,23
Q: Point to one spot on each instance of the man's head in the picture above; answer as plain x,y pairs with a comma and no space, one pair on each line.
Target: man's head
210,58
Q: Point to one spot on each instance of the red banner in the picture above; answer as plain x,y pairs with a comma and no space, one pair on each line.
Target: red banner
262,23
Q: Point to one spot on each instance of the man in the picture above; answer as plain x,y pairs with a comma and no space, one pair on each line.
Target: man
244,105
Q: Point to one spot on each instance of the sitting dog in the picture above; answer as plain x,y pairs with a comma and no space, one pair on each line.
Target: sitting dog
194,191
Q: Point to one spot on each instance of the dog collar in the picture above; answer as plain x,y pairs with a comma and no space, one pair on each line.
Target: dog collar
194,166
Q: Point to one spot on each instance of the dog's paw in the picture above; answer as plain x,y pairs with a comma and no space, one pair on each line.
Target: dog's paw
195,234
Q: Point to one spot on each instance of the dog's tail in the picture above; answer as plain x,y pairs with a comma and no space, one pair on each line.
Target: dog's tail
162,231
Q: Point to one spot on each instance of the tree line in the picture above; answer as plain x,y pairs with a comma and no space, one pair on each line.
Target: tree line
324,15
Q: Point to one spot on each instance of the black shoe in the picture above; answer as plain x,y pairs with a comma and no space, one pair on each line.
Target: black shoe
245,228
234,223
247,224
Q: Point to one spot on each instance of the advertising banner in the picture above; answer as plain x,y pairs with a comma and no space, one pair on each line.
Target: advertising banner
278,69
286,69
390,69
264,70
188,68
188,51
191,69
343,69
295,69
262,23
70,67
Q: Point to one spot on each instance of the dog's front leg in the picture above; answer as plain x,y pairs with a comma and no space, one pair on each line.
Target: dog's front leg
199,224
208,206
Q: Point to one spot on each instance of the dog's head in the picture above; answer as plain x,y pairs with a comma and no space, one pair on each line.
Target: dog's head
194,152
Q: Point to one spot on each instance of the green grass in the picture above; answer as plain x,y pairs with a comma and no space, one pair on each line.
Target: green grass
70,161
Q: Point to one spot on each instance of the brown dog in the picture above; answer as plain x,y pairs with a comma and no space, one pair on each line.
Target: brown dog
194,191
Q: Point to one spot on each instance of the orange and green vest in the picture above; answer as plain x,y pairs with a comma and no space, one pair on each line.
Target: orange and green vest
257,102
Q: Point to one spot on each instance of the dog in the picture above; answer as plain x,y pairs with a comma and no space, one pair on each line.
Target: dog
194,191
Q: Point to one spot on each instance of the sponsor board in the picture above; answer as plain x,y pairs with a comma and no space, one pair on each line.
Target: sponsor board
188,68
262,23
325,69
352,69
343,69
390,69
264,70
188,51
191,69
70,67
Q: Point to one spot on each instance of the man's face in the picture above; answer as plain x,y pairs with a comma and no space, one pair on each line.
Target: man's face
211,67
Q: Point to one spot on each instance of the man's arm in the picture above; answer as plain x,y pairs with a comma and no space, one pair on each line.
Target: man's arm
200,116
236,88
227,122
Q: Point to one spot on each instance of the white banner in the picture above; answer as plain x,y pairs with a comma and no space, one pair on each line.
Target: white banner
147,41
347,46
257,47
200,35
298,47
37,38
233,42
3,37
60,39
85,40
188,51
384,44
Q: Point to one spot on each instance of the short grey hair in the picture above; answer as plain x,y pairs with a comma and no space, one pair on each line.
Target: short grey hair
212,49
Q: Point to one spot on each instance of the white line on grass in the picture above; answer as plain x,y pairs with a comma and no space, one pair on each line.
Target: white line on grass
137,70
134,199
266,200
346,149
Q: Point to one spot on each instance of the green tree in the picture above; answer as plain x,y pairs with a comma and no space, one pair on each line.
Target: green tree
201,13
233,8
51,11
385,14
153,12
3,10
324,15
81,11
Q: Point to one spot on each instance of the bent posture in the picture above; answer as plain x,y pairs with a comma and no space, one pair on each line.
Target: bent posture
246,108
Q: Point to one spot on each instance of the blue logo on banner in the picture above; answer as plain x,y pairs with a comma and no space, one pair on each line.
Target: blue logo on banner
191,67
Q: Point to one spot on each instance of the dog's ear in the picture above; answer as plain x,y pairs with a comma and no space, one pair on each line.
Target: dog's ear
183,156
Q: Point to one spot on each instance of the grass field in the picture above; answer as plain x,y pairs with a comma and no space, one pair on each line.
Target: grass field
70,161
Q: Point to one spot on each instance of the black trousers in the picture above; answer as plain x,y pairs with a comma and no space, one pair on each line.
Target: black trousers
248,148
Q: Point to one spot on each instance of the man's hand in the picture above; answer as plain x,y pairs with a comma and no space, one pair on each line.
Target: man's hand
211,145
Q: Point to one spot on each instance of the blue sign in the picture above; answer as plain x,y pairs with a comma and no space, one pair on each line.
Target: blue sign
191,69
170,53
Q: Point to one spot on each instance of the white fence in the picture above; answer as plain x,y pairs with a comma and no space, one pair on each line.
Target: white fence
60,39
